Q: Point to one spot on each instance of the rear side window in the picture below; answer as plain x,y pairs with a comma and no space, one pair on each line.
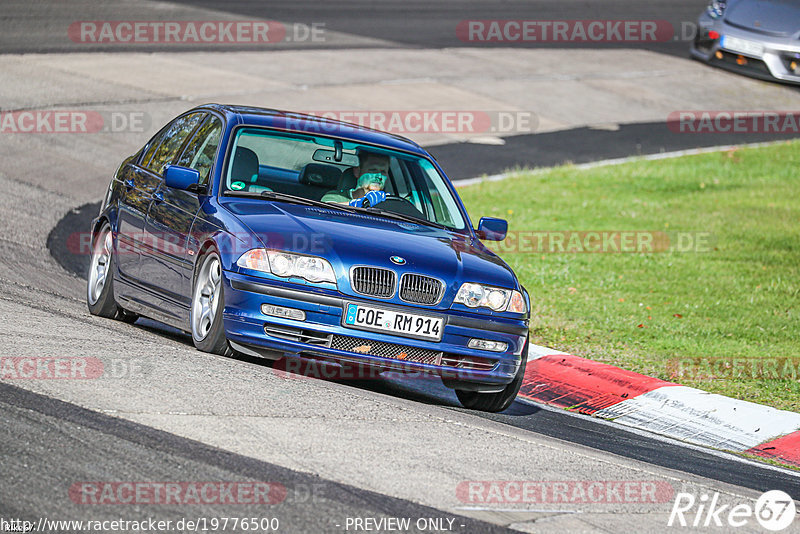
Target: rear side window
200,152
153,145
170,142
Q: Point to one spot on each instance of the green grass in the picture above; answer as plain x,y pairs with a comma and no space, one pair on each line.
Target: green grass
736,300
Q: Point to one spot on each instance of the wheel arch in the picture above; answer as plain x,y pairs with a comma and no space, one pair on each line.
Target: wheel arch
99,222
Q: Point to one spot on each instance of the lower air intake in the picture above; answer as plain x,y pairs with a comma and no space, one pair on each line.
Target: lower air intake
386,350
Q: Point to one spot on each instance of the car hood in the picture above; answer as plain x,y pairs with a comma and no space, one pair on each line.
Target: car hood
775,17
348,239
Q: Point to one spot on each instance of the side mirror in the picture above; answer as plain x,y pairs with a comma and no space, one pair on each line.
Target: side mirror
492,229
181,178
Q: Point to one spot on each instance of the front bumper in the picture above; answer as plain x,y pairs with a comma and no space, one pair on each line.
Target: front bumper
321,334
772,62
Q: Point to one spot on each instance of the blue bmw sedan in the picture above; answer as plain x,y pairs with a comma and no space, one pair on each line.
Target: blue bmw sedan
278,234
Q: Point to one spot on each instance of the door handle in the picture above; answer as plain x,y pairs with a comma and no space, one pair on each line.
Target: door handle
158,196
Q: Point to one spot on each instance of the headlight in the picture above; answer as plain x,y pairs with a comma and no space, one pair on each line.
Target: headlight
311,268
287,265
495,298
470,295
716,8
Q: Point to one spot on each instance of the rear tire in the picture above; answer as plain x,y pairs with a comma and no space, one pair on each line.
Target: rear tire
495,402
208,303
100,280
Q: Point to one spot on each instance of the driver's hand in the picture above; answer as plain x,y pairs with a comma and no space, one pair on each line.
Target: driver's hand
370,199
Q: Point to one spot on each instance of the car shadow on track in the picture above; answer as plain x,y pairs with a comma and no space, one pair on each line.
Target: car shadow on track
425,389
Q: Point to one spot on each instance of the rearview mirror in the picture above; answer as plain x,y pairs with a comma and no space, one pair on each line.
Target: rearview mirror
492,229
181,178
329,156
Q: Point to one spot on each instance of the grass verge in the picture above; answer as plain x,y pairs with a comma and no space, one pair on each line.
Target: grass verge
716,309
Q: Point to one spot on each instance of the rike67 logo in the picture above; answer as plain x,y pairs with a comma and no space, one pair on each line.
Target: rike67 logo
774,511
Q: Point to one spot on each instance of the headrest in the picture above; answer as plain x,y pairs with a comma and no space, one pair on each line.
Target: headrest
320,175
245,165
348,180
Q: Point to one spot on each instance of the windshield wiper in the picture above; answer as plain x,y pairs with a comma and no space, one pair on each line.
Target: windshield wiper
373,210
285,197
403,217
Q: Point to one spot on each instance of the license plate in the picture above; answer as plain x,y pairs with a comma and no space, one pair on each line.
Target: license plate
393,322
742,46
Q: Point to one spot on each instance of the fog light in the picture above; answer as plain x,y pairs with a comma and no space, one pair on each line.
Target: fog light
794,66
280,311
718,55
487,344
741,60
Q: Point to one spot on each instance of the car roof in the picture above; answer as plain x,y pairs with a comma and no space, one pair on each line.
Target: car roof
314,125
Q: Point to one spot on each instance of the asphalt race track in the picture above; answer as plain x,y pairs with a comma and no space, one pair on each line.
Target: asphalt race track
121,447
568,427
431,24
332,452
393,23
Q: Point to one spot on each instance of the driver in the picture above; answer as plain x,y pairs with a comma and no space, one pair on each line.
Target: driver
370,178
370,188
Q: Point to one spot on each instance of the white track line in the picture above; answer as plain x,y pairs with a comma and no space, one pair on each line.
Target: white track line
730,456
692,415
538,351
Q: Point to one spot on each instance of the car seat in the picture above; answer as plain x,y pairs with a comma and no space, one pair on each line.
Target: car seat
245,169
318,179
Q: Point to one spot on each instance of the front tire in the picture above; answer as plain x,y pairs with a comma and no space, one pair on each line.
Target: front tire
208,302
495,402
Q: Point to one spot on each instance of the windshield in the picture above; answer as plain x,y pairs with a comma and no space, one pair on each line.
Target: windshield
338,172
